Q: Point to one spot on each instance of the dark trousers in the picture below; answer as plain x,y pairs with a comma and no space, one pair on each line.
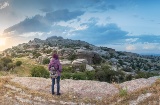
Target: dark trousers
58,84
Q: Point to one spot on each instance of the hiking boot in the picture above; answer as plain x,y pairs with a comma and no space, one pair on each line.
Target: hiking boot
53,93
58,93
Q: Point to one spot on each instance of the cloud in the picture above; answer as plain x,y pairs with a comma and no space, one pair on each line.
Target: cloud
100,34
62,15
148,38
130,47
40,23
130,40
4,5
34,24
149,46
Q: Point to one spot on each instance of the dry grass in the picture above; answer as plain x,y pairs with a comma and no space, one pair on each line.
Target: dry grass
126,99
12,93
73,98
24,69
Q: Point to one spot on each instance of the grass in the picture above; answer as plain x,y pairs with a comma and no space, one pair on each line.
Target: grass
123,98
123,92
23,70
25,92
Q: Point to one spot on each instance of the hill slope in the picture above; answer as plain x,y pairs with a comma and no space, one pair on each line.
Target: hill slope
29,90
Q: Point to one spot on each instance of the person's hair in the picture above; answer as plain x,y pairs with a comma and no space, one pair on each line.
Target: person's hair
54,54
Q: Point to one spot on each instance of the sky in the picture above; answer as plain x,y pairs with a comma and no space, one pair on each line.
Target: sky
124,25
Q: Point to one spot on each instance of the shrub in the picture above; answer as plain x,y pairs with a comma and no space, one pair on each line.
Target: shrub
106,74
39,71
1,66
36,54
6,60
141,75
68,69
18,63
90,75
66,75
96,59
10,66
100,75
46,61
129,77
79,76
72,57
81,67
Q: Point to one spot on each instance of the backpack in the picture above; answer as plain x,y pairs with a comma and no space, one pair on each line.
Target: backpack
53,72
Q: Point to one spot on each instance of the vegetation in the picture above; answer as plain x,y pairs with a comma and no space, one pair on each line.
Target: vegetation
6,64
39,71
123,92
36,54
46,61
72,57
18,63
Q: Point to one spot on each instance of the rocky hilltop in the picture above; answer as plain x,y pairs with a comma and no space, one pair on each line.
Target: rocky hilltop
107,63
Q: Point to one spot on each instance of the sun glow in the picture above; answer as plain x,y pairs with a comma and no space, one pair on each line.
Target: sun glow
2,41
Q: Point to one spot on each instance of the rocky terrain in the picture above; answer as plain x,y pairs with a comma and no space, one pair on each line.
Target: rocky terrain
33,90
70,50
78,57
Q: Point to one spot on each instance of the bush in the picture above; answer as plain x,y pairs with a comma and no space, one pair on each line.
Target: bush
90,75
66,75
75,76
79,76
68,69
39,71
141,74
18,63
105,73
6,60
46,61
72,57
101,76
129,77
1,66
10,66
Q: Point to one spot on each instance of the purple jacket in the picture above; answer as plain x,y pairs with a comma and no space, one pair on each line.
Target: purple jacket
56,64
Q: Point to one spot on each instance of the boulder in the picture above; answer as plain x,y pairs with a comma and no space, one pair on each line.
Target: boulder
79,61
89,68
65,62
91,56
79,64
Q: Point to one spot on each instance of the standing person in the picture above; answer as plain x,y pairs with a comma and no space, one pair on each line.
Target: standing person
57,65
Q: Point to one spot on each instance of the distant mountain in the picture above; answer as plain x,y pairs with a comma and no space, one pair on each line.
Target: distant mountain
150,54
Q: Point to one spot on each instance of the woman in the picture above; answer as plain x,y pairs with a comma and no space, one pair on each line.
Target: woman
56,63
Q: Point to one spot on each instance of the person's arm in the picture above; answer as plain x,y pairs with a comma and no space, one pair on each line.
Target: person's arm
59,67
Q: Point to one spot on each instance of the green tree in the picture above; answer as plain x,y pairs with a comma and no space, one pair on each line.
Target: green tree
18,63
